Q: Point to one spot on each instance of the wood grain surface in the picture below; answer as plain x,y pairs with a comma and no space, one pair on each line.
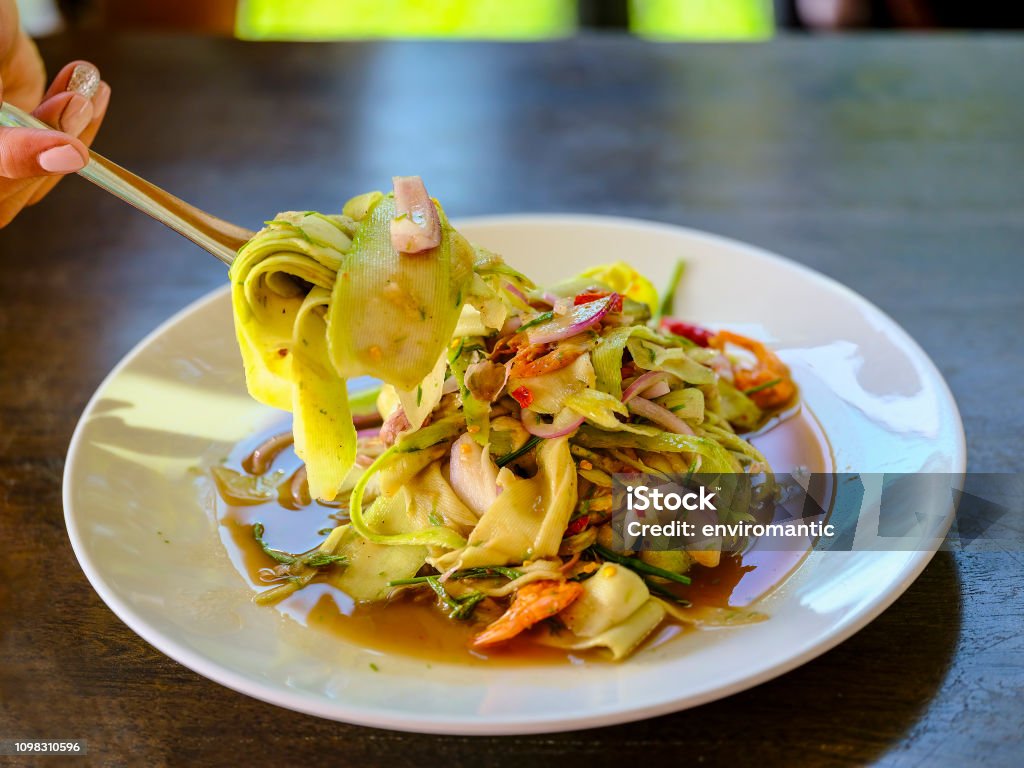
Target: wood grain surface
891,164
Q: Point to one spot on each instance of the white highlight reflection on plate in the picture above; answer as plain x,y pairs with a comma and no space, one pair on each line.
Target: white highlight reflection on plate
148,543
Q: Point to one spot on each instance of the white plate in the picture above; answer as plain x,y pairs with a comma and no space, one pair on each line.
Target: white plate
148,541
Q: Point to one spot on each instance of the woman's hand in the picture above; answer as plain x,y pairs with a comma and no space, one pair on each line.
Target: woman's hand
32,161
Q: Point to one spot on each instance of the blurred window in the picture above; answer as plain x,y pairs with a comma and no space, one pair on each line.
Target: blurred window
330,19
39,17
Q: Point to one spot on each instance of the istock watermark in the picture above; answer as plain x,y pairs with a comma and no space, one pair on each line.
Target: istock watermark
643,497
831,512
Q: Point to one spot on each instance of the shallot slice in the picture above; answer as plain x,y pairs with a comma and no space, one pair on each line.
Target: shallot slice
663,417
416,226
643,383
473,474
565,423
578,319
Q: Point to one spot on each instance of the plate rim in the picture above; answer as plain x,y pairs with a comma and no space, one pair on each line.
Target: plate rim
518,724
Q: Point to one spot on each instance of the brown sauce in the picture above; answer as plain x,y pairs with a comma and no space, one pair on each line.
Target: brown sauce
415,627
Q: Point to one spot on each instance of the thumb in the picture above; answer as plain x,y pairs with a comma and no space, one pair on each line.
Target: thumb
29,152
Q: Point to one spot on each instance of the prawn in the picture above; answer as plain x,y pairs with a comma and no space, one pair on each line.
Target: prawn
768,383
538,359
533,602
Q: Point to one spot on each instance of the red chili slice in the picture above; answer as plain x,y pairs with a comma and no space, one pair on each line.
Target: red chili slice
523,396
577,525
695,333
588,296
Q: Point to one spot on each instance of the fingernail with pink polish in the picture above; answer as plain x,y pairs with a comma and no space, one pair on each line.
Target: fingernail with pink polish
76,115
100,100
63,159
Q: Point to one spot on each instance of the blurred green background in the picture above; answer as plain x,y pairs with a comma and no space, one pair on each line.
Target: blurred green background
685,20
522,19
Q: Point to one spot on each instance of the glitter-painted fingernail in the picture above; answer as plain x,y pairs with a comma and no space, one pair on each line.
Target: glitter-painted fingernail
85,79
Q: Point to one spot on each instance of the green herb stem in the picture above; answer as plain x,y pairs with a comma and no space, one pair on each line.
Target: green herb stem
760,387
508,458
281,557
668,594
315,558
543,317
459,608
480,572
669,299
635,564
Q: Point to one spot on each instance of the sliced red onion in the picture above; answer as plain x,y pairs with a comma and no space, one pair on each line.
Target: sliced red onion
511,325
517,293
473,475
663,417
575,321
447,574
550,298
720,364
370,432
416,226
642,383
450,385
565,423
657,389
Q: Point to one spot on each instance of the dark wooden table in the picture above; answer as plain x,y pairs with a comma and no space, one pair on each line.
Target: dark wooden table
892,164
